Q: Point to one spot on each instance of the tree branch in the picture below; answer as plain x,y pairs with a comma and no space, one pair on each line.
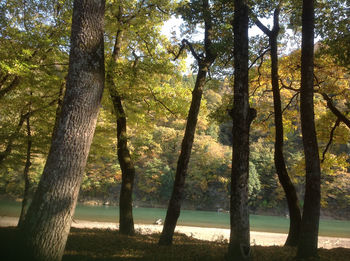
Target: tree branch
335,110
259,57
290,102
10,87
162,103
289,87
331,135
195,55
262,27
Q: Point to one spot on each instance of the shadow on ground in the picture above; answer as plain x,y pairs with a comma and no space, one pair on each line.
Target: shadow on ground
109,245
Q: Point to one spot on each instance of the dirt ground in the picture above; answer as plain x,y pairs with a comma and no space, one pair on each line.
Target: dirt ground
210,234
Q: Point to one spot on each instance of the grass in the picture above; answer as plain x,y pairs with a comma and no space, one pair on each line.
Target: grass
108,245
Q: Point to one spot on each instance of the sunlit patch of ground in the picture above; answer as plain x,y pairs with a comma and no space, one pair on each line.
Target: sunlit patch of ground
202,233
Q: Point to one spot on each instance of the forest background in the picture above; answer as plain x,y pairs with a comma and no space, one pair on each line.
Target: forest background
156,91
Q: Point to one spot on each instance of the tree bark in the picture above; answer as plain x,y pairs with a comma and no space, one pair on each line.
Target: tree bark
26,176
204,64
14,83
280,165
335,110
58,108
48,220
126,221
307,246
281,169
174,206
242,114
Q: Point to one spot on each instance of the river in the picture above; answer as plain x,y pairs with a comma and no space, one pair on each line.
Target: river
197,218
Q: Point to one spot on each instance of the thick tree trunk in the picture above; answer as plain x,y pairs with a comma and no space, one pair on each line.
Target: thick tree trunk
48,220
26,176
239,246
307,246
174,206
58,108
126,221
288,187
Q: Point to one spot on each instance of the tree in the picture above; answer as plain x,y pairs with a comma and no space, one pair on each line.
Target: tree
333,27
133,32
126,221
26,175
280,165
307,246
204,62
242,115
47,223
34,64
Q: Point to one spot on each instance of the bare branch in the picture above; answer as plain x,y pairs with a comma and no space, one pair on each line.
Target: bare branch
162,103
259,57
290,102
259,73
10,87
288,87
268,117
262,27
195,55
182,47
335,110
331,135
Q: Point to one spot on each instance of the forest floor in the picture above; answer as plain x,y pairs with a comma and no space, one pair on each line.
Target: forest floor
107,244
201,233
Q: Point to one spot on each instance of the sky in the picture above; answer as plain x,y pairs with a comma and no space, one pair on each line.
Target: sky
173,26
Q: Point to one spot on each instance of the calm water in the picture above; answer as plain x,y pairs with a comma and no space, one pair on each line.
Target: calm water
188,217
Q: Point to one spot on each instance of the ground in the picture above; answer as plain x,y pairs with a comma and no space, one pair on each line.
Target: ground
102,241
210,234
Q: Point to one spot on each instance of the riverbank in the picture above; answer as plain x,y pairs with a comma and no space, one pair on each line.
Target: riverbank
202,233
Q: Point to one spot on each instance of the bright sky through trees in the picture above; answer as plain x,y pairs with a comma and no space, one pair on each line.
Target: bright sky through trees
172,29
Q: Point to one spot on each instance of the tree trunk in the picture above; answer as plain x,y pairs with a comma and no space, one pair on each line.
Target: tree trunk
26,176
48,220
280,165
288,187
58,108
239,246
307,246
174,206
204,64
126,221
